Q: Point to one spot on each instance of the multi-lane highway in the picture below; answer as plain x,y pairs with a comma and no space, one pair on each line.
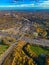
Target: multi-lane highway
42,42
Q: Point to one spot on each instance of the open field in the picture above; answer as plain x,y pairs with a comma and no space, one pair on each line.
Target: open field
3,48
39,50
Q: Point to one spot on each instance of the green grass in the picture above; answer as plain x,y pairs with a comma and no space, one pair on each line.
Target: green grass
3,48
39,50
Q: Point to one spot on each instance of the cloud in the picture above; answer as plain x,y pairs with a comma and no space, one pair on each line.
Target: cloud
26,5
44,4
18,5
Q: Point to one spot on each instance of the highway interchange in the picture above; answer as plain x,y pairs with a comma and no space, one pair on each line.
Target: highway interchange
22,28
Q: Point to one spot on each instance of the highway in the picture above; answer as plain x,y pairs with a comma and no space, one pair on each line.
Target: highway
42,42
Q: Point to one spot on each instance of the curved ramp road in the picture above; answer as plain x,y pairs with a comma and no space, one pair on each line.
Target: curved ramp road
4,55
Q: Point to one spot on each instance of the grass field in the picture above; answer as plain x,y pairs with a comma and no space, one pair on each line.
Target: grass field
3,48
39,50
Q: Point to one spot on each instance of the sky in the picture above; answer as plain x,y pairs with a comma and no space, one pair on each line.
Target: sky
19,4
